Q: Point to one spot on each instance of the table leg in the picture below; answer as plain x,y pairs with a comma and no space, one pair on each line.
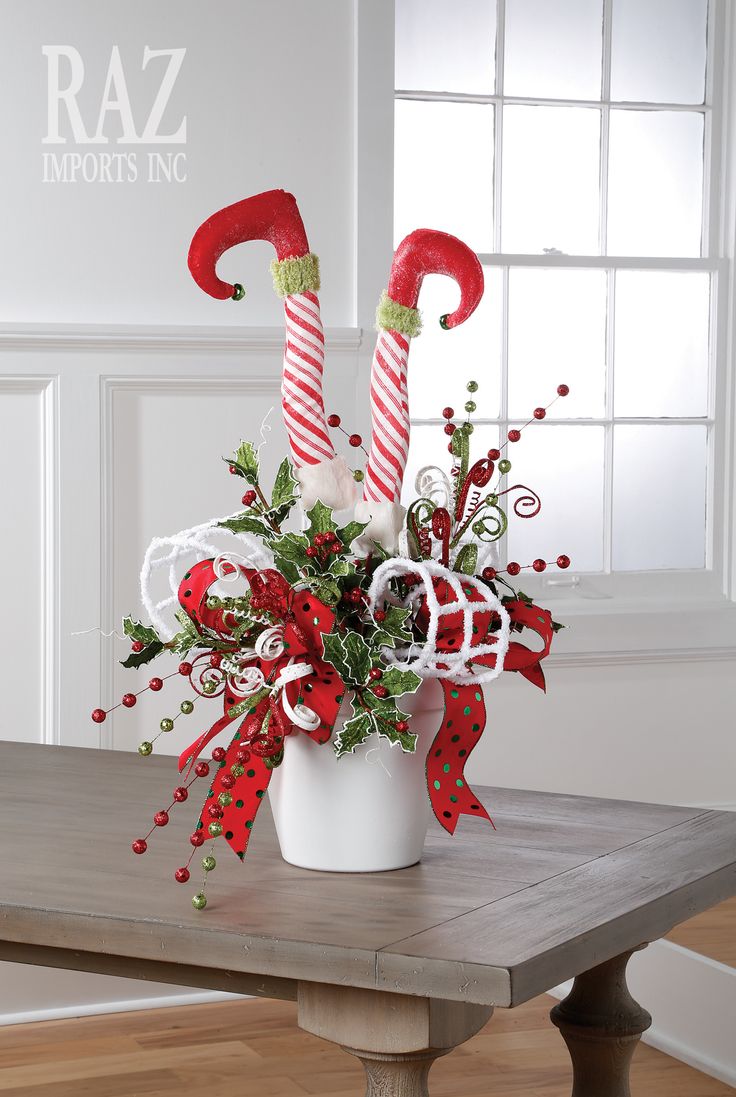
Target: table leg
396,1037
601,1025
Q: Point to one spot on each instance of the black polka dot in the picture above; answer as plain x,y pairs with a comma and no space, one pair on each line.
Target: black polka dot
228,834
447,814
307,606
187,594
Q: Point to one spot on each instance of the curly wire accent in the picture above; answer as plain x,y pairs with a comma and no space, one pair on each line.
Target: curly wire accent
525,506
420,511
203,674
442,528
479,475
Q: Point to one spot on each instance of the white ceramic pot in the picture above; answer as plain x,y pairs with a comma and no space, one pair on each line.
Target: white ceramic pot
365,812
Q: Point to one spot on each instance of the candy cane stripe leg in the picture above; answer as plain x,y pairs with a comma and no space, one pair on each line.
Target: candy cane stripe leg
301,389
389,416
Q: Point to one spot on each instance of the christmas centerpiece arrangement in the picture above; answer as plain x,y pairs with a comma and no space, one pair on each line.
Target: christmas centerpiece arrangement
320,628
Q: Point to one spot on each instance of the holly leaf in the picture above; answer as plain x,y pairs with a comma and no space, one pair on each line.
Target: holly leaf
398,681
386,715
290,555
245,462
326,590
136,630
284,486
320,520
407,740
391,630
350,656
341,567
353,732
140,658
246,523
349,532
466,560
186,638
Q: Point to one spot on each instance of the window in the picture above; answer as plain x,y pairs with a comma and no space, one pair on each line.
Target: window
574,144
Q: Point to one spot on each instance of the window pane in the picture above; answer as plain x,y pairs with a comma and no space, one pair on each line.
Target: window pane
442,362
564,465
444,170
550,179
446,48
659,507
658,51
557,333
661,347
553,48
655,183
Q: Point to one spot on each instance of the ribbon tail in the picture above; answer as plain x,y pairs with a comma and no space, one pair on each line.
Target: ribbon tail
189,757
247,794
462,727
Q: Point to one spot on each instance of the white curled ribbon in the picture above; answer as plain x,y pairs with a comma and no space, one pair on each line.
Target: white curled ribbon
304,717
270,643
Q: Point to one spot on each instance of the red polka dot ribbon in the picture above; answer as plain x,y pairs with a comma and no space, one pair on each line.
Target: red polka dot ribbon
305,619
465,712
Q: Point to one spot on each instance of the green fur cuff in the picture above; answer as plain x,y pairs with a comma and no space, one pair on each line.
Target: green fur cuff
392,316
295,275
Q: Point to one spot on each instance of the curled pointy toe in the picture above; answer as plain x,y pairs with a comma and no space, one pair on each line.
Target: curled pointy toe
331,481
385,523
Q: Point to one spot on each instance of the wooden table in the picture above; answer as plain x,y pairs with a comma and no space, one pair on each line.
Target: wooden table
397,967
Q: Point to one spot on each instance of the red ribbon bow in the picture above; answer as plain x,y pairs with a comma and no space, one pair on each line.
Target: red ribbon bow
305,619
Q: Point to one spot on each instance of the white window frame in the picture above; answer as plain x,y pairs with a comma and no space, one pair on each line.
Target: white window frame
608,605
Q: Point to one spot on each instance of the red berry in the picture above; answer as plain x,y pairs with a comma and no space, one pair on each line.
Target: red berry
311,551
380,616
227,780
450,428
140,845
447,413
514,435
449,447
563,561
156,684
185,669
402,725
129,699
248,499
563,390
181,794
214,811
355,440
197,839
202,769
330,536
513,568
489,574
233,470
218,754
161,818
539,565
319,539
336,546
380,691
99,715
539,413
137,646
242,756
494,454
375,673
181,875
215,659
333,420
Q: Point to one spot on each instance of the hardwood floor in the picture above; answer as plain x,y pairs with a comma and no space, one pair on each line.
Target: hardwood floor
254,1049
711,934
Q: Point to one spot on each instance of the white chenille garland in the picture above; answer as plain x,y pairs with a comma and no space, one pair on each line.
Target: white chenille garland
426,662
168,558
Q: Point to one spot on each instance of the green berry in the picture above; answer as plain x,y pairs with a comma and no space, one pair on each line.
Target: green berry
187,707
472,386
358,476
470,406
237,770
199,902
208,863
215,829
145,749
504,465
224,799
167,724
209,687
